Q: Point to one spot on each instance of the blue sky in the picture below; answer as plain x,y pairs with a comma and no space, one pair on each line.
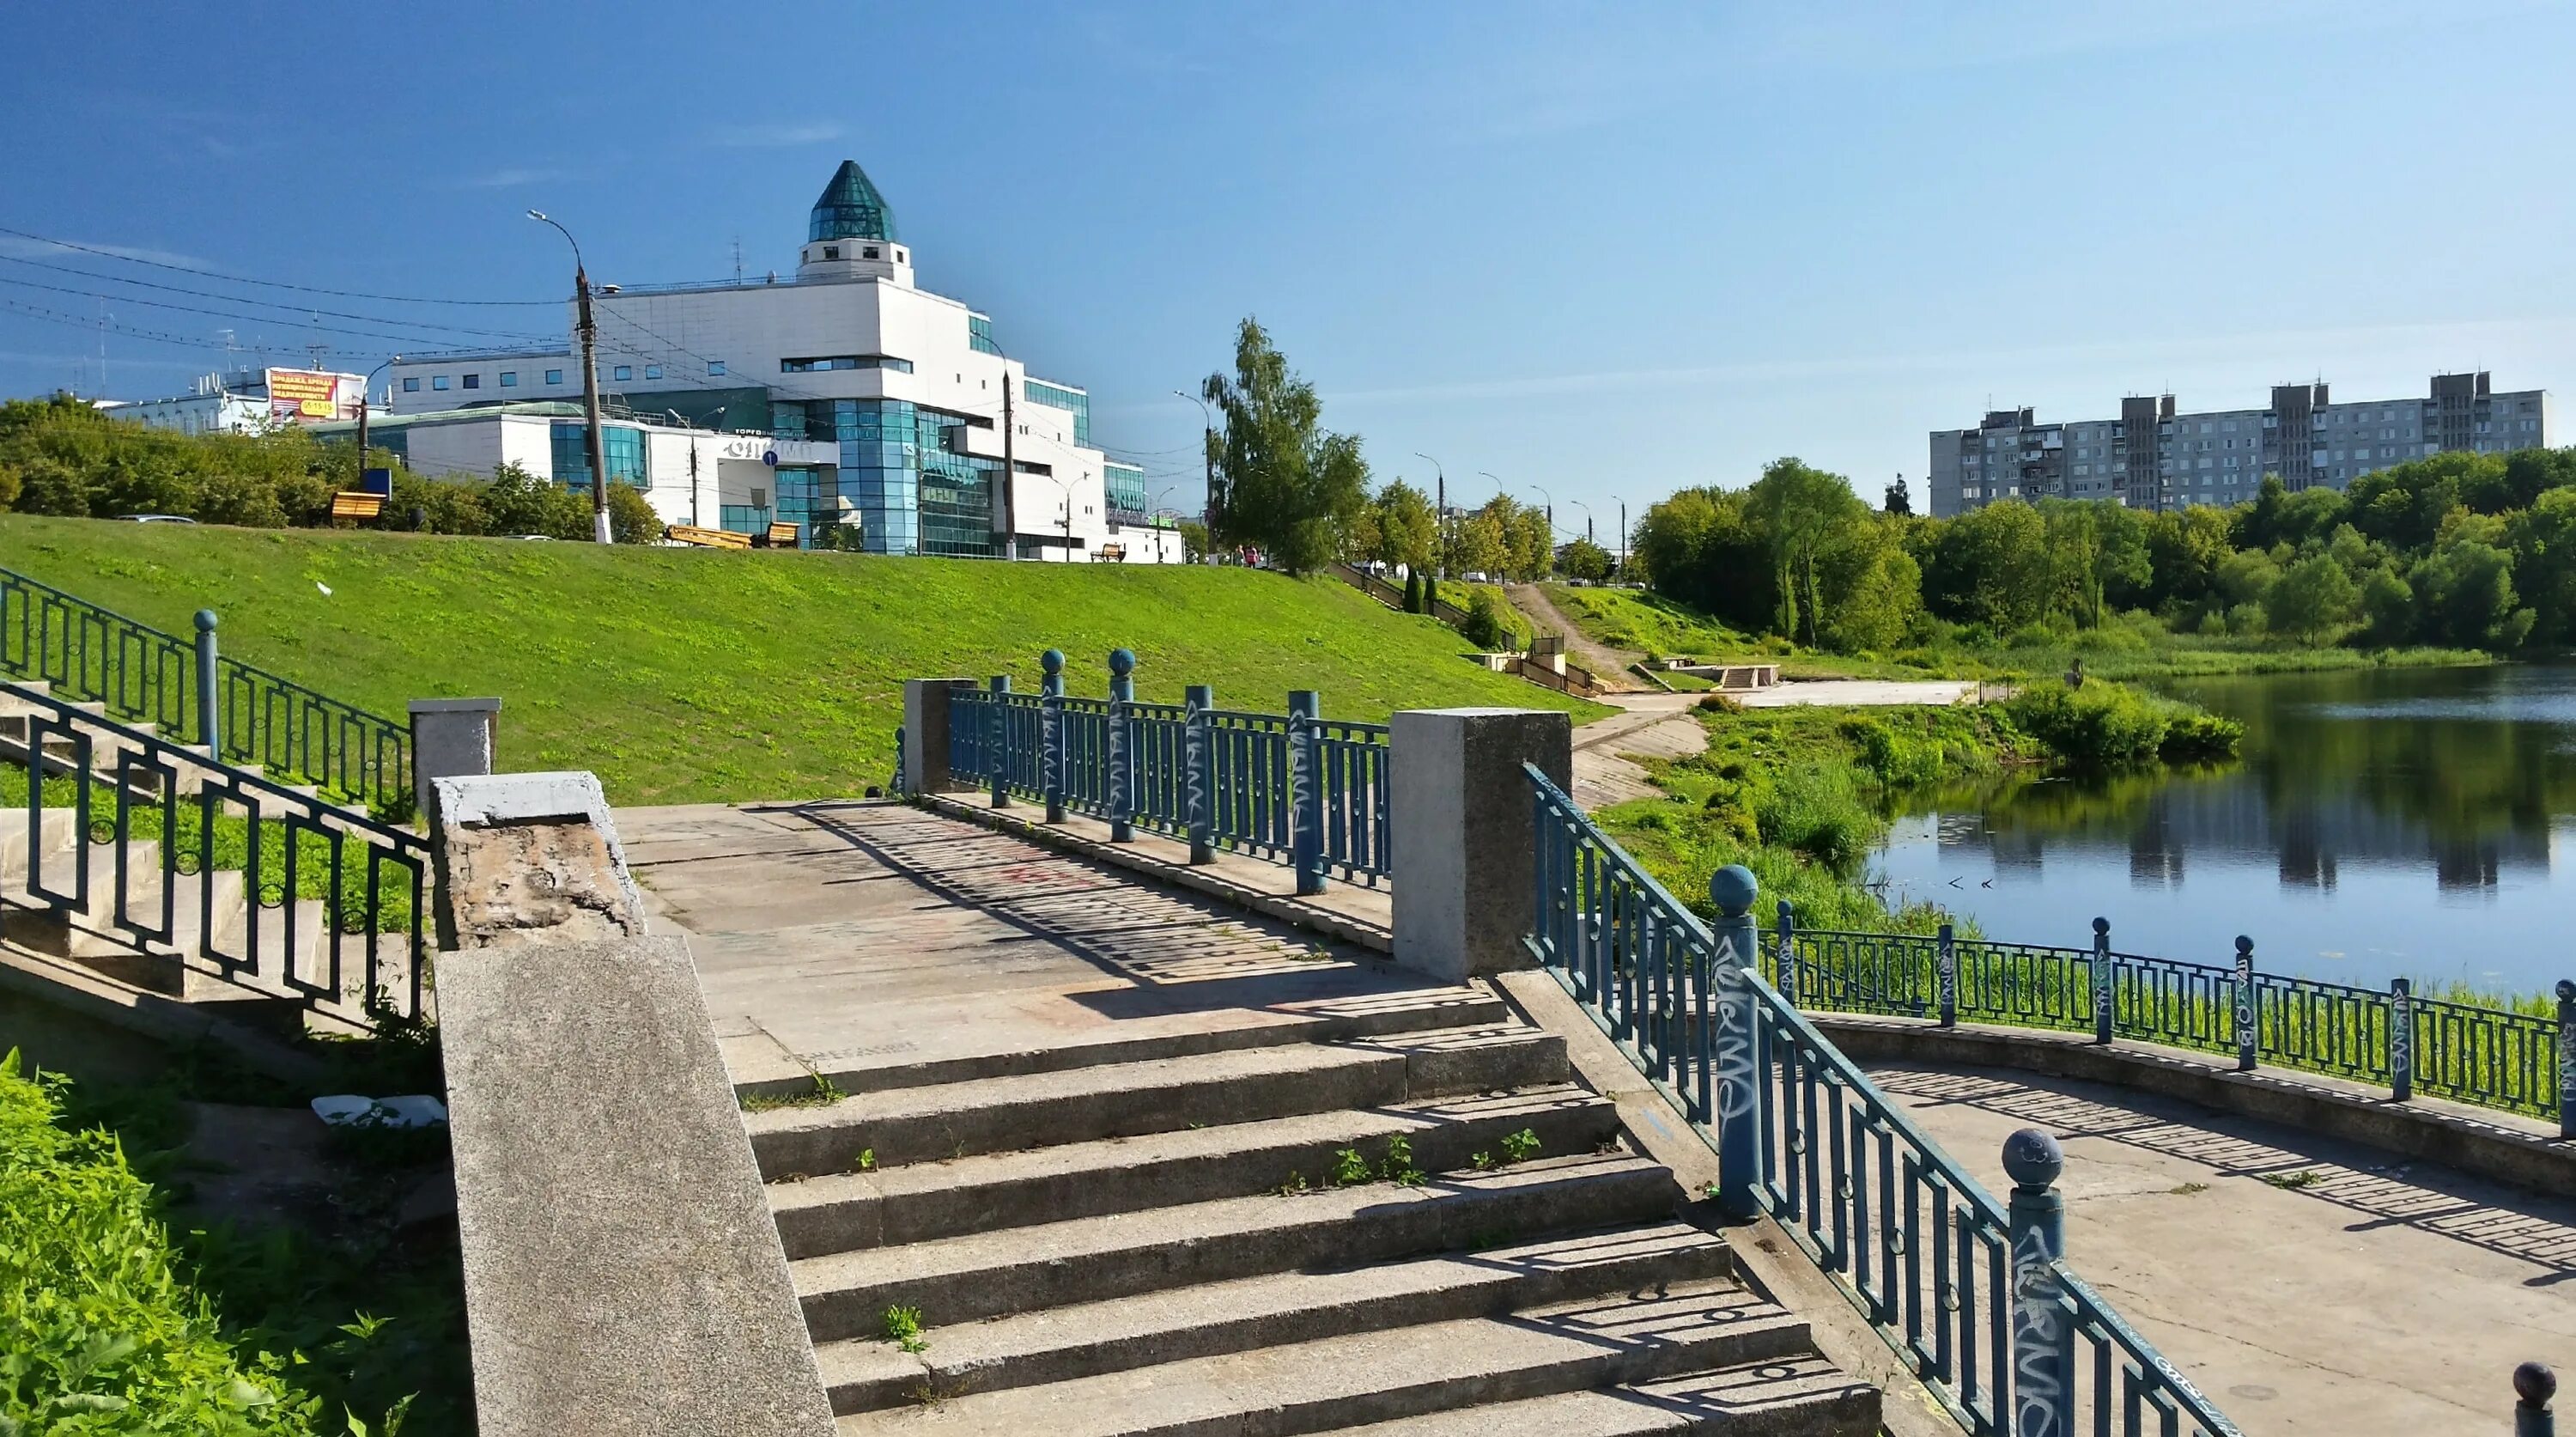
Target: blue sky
1604,250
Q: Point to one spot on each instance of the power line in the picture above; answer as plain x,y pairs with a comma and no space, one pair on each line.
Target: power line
421,324
268,283
342,331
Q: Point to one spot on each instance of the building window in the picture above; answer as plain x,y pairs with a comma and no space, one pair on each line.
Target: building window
509,379
438,381
844,361
869,253
554,376
715,366
474,381
979,335
652,371
623,371
831,251
411,384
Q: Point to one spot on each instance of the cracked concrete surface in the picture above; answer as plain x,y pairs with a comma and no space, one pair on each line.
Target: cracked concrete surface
2310,1286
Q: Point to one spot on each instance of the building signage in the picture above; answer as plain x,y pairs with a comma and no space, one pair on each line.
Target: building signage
307,396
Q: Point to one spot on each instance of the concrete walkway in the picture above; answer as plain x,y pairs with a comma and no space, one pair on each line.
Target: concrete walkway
2308,1285
860,941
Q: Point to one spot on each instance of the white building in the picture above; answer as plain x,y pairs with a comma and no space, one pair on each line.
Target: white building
2153,458
248,401
908,388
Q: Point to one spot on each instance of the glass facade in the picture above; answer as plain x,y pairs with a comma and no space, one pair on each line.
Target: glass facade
979,334
850,208
807,498
623,448
1126,487
912,491
845,361
1055,396
742,519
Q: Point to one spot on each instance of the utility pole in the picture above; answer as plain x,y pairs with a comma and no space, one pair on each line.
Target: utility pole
1623,541
598,445
1209,508
1010,471
1439,513
364,389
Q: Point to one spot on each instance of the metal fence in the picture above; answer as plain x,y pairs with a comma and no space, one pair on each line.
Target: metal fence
2491,1057
144,856
1293,788
1974,1296
193,694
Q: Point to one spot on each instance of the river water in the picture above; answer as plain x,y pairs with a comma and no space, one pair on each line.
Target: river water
2384,822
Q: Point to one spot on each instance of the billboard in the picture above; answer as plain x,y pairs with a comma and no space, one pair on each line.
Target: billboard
310,396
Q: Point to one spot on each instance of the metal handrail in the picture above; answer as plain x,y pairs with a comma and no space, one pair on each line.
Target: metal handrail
174,820
145,675
1916,1243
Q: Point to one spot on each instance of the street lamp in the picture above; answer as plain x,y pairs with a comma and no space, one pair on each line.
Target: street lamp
364,389
1207,452
598,445
1587,518
1439,512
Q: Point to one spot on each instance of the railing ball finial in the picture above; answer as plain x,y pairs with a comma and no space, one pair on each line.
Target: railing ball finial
1052,661
205,621
1733,889
2033,1159
2567,990
1121,662
2244,944
2535,1384
2101,927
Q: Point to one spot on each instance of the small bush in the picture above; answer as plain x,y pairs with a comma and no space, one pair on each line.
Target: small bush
1719,704
1486,627
1813,810
2104,725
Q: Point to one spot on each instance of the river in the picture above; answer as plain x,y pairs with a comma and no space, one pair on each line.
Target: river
2382,822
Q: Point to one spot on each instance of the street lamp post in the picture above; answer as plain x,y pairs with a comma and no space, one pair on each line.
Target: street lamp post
1207,459
598,445
1587,518
1439,513
365,389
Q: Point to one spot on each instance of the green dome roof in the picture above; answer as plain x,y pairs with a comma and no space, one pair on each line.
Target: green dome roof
850,208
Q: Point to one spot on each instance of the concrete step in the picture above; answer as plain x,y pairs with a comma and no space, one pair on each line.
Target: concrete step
1412,1010
912,1203
1059,1344
1784,1397
991,1274
1003,1114
1362,1377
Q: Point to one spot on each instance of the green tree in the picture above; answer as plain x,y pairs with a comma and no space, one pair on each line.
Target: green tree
1532,543
2313,600
1194,541
2100,552
1407,531
2543,541
1289,486
632,519
1584,560
2388,607
1992,566
1801,512
1872,586
2465,589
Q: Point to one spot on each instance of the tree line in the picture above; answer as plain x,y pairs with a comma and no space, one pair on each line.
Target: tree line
2468,550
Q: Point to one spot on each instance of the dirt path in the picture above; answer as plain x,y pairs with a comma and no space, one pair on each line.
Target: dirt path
1608,664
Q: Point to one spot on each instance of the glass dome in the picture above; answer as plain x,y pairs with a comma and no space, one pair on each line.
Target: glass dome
850,208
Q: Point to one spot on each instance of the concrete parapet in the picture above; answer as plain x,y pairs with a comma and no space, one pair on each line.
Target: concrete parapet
925,733
450,738
1460,870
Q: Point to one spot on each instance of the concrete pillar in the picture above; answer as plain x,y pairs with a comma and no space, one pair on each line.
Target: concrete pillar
1463,847
450,738
925,733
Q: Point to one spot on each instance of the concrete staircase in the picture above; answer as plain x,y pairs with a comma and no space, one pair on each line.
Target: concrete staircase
1396,1225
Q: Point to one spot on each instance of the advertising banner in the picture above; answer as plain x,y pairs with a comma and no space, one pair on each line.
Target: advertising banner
308,396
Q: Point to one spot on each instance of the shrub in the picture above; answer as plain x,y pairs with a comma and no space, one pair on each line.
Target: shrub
1718,703
2104,725
102,1332
1896,760
1812,809
1485,627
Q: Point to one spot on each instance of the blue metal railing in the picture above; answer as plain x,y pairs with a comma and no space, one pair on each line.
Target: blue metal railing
1975,1298
2490,1057
1293,788
142,675
129,838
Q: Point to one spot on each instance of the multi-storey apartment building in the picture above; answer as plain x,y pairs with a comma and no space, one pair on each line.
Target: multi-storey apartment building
2152,457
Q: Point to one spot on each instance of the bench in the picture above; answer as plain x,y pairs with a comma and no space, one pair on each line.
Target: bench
356,504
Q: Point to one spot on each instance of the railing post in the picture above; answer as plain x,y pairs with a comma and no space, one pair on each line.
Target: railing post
1786,963
1306,790
2401,1039
209,730
2533,1385
2043,1341
997,763
2102,979
1122,793
1737,1054
1198,757
1051,730
2248,1030
2566,1058
897,787
1947,978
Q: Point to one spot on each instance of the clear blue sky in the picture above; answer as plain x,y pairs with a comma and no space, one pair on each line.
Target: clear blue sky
1603,249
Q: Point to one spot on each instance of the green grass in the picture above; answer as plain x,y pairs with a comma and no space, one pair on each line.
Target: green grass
1656,627
693,675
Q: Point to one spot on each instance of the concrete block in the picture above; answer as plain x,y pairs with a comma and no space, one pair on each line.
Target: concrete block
524,856
1460,870
621,1271
450,738
925,734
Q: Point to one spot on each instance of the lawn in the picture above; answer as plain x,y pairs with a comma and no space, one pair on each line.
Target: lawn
682,675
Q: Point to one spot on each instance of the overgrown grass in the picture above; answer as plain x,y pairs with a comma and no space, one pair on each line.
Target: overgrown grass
697,675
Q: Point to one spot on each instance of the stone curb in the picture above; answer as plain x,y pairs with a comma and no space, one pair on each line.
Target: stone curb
2494,1146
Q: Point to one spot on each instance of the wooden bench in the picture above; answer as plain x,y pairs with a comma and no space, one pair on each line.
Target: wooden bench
706,538
356,504
781,535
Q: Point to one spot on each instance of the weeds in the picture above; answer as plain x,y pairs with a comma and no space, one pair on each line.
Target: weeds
1398,1167
2188,1189
903,1329
2299,1181
1349,1168
1520,1147
822,1095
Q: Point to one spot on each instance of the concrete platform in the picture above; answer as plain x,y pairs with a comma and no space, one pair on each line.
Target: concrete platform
881,946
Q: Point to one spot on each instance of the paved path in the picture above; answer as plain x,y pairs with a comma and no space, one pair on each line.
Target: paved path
845,938
2374,1297
1608,664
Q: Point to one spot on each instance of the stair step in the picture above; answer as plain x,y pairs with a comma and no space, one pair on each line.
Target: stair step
991,1274
1273,1310
1783,1397
1001,1114
895,1205
1364,1377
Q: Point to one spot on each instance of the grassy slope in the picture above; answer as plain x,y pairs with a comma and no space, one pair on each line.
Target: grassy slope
689,675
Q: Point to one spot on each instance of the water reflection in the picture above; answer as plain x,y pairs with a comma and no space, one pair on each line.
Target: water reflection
2385,821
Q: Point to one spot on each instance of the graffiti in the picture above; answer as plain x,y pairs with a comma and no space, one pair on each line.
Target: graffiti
2401,1041
2245,1031
1194,758
1738,1085
1949,978
2103,983
1051,738
2039,1338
